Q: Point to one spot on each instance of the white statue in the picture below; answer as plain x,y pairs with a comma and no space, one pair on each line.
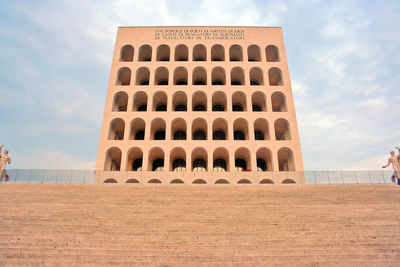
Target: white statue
4,159
394,160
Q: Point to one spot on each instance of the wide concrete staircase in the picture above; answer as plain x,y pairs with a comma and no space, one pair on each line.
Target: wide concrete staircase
75,225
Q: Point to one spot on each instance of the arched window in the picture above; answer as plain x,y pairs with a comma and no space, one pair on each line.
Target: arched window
278,100
199,181
180,76
219,101
272,53
126,53
145,53
237,76
178,129
117,128
218,76
137,129
160,101
179,101
254,53
142,76
177,159
110,181
199,160
156,159
199,101
140,101
256,76
135,159
239,101
235,53
199,76
181,53
261,129
275,76
258,100
264,162
217,53
242,159
124,76
285,159
199,53
113,159
120,102
282,130
199,129
220,129
240,129
163,53
158,129
161,76
220,160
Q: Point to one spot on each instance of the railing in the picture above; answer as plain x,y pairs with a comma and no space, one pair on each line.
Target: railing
306,177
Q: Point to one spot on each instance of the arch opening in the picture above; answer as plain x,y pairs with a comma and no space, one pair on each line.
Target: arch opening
160,101
145,52
178,129
124,76
161,76
199,76
179,101
199,101
282,130
242,160
261,131
278,100
199,53
256,76
217,53
135,159
199,129
126,53
218,76
220,129
220,160
199,160
163,53
275,77
241,129
180,76
178,160
156,160
237,76
285,160
138,127
120,102
140,101
117,129
113,159
142,76
158,129
235,53
181,53
254,53
219,101
258,101
272,53
264,159
239,102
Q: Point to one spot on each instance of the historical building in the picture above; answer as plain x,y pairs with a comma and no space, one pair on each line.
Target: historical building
199,105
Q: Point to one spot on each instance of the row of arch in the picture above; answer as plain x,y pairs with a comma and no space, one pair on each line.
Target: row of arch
199,76
199,130
199,181
199,101
163,53
199,160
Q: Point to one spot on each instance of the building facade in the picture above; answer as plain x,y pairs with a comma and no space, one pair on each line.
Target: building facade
199,105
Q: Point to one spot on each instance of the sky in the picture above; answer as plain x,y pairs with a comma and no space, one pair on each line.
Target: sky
343,56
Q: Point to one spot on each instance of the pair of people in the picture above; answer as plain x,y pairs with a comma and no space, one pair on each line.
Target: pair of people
4,159
395,161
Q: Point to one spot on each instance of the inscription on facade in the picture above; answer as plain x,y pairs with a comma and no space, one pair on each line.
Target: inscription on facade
199,34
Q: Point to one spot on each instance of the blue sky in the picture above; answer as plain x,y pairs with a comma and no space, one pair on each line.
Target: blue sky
343,58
